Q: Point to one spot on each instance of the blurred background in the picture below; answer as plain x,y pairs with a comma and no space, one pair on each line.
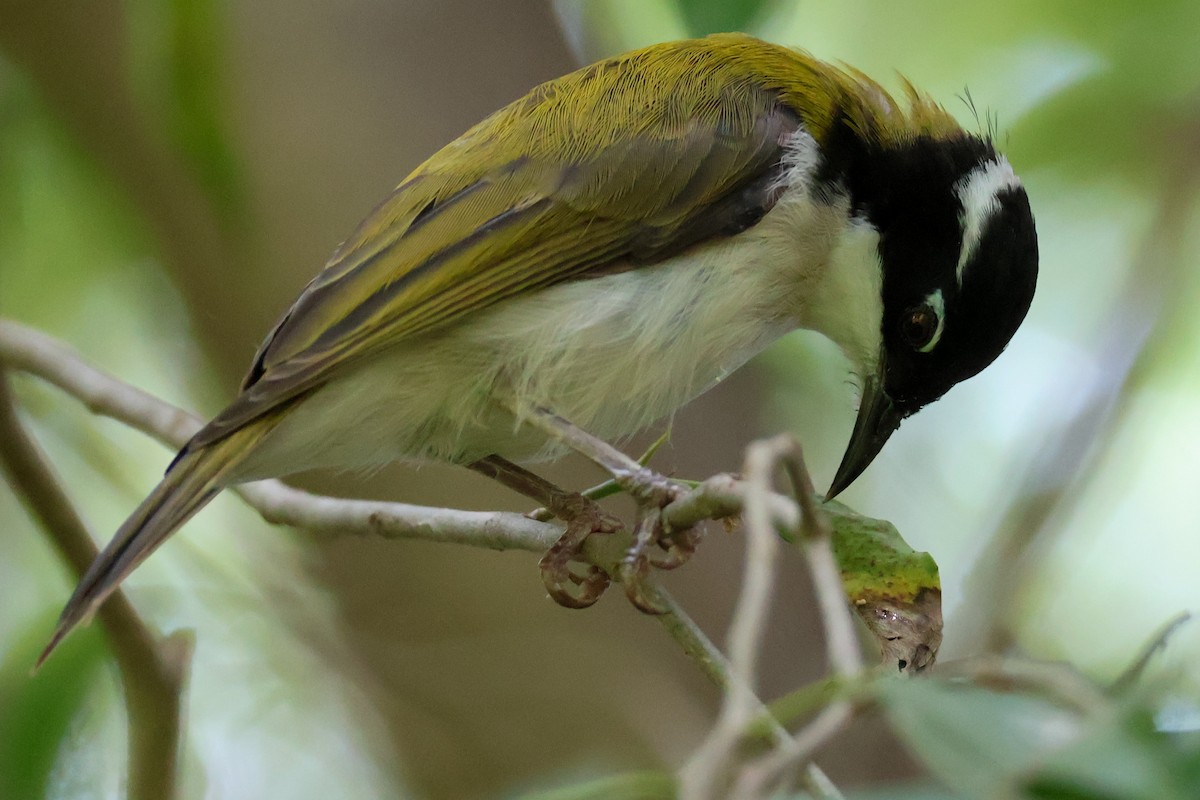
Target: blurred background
172,172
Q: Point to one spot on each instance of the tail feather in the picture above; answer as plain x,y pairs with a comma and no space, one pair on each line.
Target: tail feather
192,480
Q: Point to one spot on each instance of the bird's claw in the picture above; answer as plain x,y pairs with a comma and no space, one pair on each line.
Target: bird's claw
678,547
575,583
567,586
635,566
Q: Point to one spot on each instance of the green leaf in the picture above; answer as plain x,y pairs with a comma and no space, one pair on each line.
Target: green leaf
990,744
976,741
895,590
1121,757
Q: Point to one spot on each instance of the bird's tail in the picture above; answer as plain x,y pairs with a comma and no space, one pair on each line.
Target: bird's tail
193,479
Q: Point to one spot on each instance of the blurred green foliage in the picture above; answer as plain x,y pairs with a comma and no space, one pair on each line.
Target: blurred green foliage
56,205
985,743
177,58
79,258
38,715
705,16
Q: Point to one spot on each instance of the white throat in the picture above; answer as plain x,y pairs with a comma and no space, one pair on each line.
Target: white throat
846,303
828,258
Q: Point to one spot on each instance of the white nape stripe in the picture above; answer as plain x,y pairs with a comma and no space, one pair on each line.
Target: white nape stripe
800,156
977,192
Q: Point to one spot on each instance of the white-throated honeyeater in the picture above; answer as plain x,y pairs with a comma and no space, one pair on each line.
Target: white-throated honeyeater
610,246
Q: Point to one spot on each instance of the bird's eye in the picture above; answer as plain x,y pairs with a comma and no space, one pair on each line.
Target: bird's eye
920,327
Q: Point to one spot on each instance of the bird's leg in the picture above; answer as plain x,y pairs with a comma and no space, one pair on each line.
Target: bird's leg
635,565
652,492
632,476
583,518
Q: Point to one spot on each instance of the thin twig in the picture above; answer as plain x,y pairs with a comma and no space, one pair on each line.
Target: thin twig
1057,679
601,452
704,772
691,638
759,778
723,496
1133,673
841,642
703,776
845,656
819,785
699,647
280,504
750,614
152,673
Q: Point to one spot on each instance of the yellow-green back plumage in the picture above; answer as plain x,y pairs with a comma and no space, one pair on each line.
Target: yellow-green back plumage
629,160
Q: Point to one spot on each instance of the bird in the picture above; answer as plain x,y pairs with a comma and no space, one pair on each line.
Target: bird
606,248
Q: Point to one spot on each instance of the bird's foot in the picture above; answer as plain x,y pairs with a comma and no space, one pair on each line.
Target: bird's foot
649,532
570,579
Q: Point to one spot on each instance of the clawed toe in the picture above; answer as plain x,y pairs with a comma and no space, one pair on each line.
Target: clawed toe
570,578
575,583
570,588
561,565
678,547
635,566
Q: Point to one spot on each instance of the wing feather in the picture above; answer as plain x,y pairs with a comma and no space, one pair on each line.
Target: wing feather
484,220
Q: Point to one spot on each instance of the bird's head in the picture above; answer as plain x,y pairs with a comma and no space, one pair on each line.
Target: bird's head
958,253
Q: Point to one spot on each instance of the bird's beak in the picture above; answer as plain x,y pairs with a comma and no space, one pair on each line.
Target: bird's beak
877,419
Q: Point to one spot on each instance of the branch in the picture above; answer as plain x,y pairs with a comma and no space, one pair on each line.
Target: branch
625,470
152,673
845,656
27,350
704,773
756,780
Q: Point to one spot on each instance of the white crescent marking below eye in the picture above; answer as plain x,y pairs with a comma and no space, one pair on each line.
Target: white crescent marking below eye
938,304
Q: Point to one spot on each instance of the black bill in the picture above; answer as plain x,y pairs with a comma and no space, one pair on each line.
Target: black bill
878,418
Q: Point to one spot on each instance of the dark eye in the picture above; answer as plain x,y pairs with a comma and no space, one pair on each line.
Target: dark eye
919,327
